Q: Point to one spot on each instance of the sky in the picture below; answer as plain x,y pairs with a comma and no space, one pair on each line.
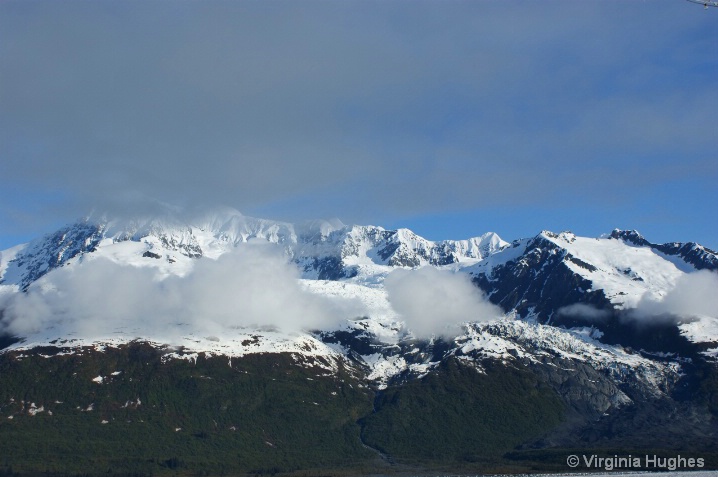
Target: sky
450,118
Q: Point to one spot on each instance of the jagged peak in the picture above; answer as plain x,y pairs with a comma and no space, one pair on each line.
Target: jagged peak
358,231
566,236
632,236
547,234
488,237
404,235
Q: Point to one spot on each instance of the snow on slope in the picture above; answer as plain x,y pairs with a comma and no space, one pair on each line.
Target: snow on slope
505,339
513,339
7,256
368,301
232,344
625,272
702,329
508,340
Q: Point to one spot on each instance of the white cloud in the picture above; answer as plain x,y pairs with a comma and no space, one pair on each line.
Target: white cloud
251,286
583,311
694,294
435,302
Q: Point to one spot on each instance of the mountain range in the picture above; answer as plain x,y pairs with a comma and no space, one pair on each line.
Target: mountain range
252,346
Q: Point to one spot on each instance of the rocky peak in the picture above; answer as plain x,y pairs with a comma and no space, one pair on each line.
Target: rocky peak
629,236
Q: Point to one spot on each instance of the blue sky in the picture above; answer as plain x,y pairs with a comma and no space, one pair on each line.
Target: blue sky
448,118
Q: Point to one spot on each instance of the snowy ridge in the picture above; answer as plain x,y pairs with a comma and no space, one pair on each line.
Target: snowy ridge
28,262
543,274
508,340
305,347
323,249
691,253
625,273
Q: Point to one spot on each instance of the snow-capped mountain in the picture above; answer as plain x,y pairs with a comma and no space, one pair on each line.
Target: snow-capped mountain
323,249
606,323
540,275
551,278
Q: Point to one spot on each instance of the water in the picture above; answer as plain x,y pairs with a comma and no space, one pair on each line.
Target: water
692,473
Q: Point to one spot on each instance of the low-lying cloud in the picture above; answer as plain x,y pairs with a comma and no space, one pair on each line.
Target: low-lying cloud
252,286
436,302
694,295
583,311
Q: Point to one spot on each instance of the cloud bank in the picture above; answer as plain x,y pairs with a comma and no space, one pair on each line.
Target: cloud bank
252,286
694,295
436,302
322,109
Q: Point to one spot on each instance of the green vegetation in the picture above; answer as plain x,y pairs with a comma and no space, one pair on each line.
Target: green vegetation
269,414
462,415
264,414
706,376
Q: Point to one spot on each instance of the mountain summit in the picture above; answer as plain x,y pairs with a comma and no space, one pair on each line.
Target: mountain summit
324,249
